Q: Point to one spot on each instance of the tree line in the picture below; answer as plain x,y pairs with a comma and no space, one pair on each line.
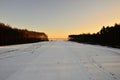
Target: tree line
109,36
9,35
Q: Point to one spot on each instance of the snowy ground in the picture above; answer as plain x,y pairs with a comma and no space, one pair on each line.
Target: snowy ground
59,60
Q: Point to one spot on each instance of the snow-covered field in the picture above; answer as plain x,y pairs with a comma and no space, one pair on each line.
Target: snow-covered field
59,60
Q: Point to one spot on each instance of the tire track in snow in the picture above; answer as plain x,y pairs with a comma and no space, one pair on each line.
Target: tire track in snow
102,69
93,65
20,52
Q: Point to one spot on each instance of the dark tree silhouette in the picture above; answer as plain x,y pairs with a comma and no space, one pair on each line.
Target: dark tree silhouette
109,36
9,35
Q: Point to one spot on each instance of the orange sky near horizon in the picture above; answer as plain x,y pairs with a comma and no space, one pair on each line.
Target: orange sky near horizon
60,18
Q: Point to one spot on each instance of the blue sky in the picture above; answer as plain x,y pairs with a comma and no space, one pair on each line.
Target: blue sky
59,18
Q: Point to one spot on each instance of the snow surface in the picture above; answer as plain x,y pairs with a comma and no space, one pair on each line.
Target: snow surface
59,60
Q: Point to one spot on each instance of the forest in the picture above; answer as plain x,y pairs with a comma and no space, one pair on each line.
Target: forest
9,35
107,36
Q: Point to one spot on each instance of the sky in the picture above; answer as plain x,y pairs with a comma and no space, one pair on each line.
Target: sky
60,18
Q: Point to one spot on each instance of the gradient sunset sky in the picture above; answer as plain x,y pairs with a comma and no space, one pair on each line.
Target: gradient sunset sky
59,18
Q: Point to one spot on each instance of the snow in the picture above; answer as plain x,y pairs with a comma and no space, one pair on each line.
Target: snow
59,60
